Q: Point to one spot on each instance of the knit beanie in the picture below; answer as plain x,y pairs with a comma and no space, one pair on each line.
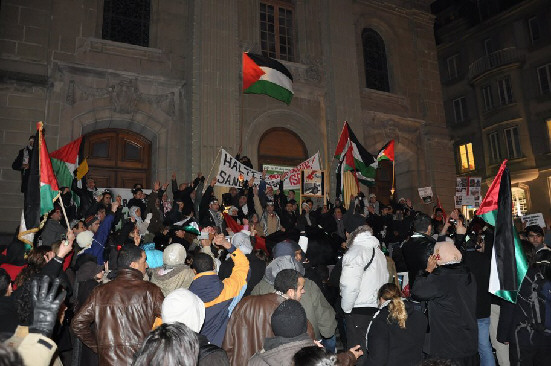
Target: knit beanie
84,239
174,255
242,240
289,319
183,306
286,248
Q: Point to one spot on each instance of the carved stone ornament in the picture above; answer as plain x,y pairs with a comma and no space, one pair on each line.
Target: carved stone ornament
124,95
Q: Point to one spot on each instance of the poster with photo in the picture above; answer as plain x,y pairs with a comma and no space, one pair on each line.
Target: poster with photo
468,186
426,194
459,200
461,186
312,183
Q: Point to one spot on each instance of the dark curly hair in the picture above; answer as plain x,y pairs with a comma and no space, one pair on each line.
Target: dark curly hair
35,262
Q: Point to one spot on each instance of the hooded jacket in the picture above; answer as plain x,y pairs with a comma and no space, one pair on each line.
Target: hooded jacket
359,285
170,278
220,297
318,311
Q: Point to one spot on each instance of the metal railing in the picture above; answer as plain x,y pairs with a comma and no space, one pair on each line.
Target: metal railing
493,60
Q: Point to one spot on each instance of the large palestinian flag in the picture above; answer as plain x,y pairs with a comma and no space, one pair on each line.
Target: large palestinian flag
64,162
508,264
355,158
264,75
41,190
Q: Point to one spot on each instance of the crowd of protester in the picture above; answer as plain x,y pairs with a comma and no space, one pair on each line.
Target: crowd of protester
257,278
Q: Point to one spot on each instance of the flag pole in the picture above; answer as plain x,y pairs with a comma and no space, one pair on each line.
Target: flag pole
58,197
392,190
211,167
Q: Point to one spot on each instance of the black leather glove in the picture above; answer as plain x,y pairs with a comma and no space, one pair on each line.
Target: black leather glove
45,306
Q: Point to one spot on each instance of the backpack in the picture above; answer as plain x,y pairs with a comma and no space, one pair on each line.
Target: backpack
540,305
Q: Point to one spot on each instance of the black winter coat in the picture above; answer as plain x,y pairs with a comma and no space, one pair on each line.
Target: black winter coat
479,264
390,345
415,253
450,291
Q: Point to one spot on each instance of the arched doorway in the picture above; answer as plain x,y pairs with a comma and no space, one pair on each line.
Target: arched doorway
118,158
281,146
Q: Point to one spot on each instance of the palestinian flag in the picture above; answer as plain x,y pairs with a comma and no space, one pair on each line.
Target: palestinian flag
357,160
41,190
64,162
264,75
386,152
508,265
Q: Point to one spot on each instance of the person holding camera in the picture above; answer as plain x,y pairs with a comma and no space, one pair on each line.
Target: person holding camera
477,258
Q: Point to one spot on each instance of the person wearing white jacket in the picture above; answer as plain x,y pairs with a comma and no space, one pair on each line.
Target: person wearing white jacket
364,271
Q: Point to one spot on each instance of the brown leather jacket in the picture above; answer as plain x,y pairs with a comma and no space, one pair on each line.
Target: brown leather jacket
250,323
122,313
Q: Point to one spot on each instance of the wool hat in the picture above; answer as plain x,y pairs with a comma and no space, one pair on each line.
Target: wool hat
242,240
447,252
174,255
285,248
84,239
154,257
289,319
183,306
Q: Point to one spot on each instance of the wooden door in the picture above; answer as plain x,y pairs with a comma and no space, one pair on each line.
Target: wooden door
118,158
281,146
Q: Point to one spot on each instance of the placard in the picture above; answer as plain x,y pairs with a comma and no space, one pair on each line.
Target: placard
426,194
533,219
312,183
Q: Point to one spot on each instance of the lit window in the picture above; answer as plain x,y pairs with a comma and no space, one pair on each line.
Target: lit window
548,123
512,143
495,154
505,91
276,30
518,196
460,109
467,157
544,77
488,100
452,67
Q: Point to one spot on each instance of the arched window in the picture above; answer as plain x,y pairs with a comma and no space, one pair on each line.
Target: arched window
375,66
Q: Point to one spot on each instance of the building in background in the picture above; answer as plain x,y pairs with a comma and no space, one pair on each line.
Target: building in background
495,69
155,87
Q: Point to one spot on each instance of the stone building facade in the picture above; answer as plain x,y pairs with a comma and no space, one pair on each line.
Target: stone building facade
495,65
174,81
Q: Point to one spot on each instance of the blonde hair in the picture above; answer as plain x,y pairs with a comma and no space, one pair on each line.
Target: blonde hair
396,307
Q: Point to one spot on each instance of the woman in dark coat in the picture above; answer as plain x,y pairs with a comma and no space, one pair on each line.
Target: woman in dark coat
396,334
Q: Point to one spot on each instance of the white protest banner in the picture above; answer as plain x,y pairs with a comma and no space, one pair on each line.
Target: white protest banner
230,170
125,193
533,219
